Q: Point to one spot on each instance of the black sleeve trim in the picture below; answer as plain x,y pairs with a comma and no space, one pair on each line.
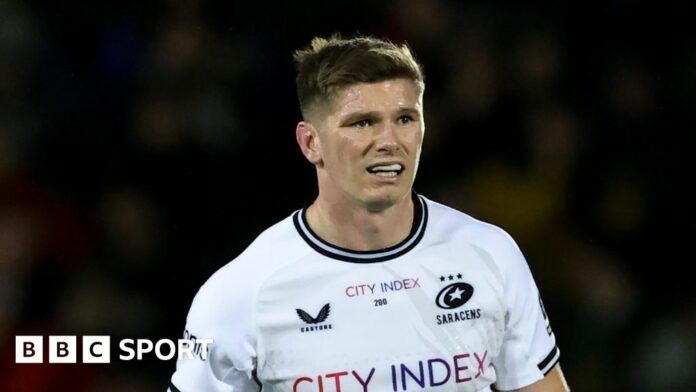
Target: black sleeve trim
173,388
550,361
256,379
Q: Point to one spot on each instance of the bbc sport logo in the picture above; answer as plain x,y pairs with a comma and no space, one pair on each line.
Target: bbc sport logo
97,349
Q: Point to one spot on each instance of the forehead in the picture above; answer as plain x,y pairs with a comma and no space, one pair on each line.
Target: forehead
387,95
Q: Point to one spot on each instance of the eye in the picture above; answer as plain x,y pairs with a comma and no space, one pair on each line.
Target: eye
405,119
362,123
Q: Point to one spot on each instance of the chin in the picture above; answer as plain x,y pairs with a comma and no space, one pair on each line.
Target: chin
383,199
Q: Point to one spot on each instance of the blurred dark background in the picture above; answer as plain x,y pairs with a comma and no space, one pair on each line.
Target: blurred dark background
145,144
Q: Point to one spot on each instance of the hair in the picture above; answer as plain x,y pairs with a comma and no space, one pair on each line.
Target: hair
328,65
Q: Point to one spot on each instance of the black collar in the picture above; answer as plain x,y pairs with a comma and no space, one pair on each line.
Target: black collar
420,219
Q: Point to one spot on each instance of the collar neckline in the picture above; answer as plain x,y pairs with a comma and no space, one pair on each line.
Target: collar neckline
420,218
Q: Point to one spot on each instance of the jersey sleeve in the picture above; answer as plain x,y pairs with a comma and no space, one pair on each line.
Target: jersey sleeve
529,348
222,311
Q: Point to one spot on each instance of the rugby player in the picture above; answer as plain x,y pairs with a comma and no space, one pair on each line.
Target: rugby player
372,287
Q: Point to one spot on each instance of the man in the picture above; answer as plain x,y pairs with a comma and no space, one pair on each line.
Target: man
372,287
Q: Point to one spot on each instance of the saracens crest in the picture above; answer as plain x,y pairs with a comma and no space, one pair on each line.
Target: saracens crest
454,295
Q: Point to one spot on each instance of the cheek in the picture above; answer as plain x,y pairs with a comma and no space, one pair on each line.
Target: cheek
347,149
340,157
415,140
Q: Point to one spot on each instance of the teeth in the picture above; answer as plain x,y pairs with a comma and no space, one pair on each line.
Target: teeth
386,174
389,168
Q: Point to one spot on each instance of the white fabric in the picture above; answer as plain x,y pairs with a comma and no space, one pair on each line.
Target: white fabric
392,325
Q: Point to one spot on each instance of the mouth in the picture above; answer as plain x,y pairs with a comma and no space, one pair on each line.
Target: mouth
390,170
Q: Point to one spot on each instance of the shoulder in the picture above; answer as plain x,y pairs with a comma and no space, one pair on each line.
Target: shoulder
234,286
490,244
445,223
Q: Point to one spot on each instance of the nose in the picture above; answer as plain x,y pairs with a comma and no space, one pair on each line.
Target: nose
386,139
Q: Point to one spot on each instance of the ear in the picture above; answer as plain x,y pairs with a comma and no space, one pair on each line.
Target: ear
308,139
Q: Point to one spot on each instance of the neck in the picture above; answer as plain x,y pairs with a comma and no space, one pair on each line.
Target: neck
354,226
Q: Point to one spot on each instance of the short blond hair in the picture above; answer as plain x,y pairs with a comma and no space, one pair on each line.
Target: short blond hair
329,64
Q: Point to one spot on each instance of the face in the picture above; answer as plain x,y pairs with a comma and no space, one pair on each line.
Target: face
369,143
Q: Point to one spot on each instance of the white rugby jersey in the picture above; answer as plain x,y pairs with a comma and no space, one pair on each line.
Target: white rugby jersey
453,307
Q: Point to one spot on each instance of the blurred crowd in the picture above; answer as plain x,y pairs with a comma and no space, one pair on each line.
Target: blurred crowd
145,144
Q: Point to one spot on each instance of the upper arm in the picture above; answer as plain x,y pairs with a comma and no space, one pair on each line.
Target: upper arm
227,320
528,352
554,381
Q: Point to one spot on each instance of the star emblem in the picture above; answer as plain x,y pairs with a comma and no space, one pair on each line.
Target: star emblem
451,277
459,276
456,294
442,279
